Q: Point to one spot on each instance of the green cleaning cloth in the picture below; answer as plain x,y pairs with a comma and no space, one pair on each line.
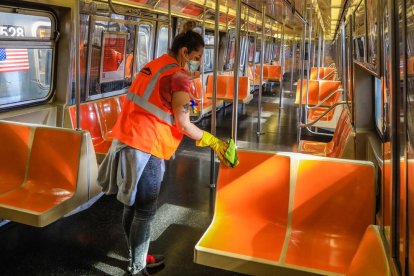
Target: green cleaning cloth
231,154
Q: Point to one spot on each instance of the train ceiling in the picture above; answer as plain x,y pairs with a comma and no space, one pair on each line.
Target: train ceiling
325,13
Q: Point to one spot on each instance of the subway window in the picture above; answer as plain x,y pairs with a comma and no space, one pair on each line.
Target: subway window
144,41
208,52
26,56
162,47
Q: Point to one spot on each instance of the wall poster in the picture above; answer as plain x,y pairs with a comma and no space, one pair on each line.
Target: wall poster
113,56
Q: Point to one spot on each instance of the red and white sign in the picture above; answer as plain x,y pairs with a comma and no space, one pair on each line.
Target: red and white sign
113,57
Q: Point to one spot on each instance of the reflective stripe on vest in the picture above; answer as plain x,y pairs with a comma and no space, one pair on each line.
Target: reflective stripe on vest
142,101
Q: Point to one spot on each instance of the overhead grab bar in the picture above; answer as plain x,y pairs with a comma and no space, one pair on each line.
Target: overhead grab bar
135,13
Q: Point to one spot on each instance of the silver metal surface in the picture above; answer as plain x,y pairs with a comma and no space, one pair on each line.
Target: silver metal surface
77,63
214,100
236,73
282,64
169,24
262,57
302,72
293,64
344,78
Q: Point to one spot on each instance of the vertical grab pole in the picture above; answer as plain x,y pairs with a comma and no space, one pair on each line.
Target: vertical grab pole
323,50
282,62
302,76
293,62
214,106
236,72
77,64
254,54
202,64
309,68
319,55
259,102
246,29
169,24
344,77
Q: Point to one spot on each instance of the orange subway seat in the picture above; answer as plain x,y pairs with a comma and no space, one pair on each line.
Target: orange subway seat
90,122
334,148
371,257
274,72
52,171
326,87
14,149
221,86
314,73
328,73
313,92
243,90
108,112
328,204
226,88
200,92
326,225
251,207
317,112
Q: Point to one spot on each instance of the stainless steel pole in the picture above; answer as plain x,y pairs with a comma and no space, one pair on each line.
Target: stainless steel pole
259,102
282,64
169,24
309,68
214,106
293,64
236,71
77,64
344,75
302,76
319,56
323,50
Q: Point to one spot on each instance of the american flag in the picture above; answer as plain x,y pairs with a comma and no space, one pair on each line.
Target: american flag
13,60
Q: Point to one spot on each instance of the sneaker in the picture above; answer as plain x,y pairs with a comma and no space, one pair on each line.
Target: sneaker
155,260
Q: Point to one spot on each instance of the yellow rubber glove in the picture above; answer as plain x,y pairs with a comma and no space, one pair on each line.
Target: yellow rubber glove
219,147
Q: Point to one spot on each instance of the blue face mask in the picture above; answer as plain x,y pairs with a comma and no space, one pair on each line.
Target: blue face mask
193,65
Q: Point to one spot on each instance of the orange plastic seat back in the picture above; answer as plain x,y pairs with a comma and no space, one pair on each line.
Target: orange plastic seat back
326,88
326,225
313,92
265,71
371,257
52,174
14,148
314,73
89,120
221,86
108,111
252,201
243,87
235,194
328,73
274,71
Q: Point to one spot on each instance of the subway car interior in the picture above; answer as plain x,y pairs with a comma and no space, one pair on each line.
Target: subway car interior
316,95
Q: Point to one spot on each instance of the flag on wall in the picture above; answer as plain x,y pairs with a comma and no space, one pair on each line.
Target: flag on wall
13,60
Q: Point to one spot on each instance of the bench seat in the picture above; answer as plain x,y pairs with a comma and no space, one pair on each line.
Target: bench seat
56,180
288,214
338,144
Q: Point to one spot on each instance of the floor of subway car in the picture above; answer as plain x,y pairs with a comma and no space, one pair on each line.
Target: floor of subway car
92,242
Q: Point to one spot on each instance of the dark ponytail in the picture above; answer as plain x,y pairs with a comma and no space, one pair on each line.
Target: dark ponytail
187,38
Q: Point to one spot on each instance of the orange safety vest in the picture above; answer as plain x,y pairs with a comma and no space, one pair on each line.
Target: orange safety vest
144,122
